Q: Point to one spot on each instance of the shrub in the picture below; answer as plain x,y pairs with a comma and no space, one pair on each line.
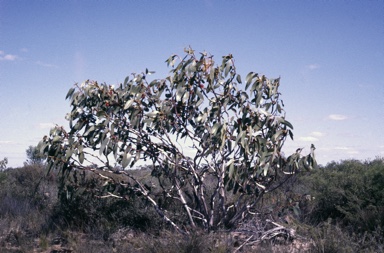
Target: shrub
80,207
350,192
25,188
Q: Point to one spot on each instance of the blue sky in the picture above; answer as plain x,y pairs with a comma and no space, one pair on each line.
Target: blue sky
329,54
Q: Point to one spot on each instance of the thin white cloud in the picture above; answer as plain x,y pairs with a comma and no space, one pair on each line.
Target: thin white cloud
47,65
347,150
10,57
341,148
337,117
308,138
8,142
24,50
7,57
312,137
45,125
317,134
313,66
7,145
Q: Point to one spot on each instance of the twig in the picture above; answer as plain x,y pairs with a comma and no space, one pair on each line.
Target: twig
246,241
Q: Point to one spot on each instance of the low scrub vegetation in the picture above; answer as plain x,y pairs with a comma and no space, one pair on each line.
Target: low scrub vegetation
335,208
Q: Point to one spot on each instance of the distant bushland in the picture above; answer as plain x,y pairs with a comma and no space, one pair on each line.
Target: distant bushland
335,208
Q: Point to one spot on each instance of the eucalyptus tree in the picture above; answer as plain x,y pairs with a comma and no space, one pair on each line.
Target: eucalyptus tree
212,141
34,157
3,163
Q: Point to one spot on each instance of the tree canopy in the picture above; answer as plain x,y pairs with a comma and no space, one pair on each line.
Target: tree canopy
211,138
3,163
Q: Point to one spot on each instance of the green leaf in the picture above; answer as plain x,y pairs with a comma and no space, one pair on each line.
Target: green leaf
239,136
56,139
153,83
128,104
242,141
201,98
231,164
238,78
290,134
179,93
212,75
229,143
92,128
81,157
137,158
126,159
68,154
265,169
249,79
135,89
278,108
255,86
126,80
70,93
42,145
103,145
185,97
277,134
288,124
215,128
152,114
227,68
